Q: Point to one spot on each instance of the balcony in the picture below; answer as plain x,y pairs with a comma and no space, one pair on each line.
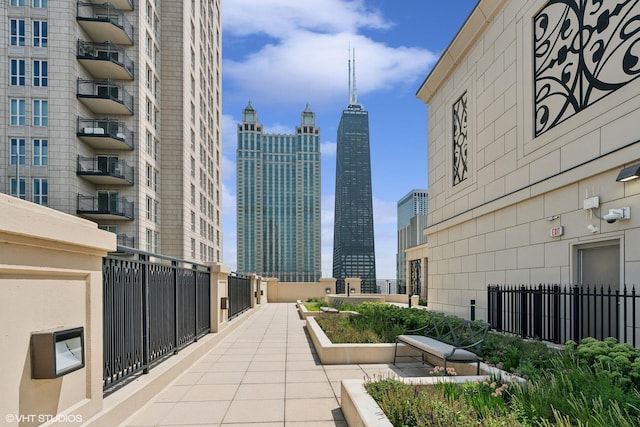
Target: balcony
105,170
105,60
127,5
105,97
104,22
105,134
106,206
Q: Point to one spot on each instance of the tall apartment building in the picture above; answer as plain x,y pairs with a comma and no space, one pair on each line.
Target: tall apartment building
353,240
111,111
278,200
412,220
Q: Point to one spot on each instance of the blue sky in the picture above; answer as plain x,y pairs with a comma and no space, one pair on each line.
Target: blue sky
283,54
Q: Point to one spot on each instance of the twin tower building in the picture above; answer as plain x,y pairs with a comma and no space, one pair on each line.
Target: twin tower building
278,199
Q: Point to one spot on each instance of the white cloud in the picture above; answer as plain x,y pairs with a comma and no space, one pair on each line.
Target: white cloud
278,18
328,149
306,55
278,129
312,66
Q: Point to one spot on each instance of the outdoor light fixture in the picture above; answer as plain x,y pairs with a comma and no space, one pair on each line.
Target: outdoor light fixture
56,352
629,173
327,290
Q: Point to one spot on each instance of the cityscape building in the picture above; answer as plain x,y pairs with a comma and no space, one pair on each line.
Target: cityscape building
412,220
112,113
278,200
353,239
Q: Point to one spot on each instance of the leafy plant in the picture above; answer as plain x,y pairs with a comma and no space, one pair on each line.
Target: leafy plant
416,405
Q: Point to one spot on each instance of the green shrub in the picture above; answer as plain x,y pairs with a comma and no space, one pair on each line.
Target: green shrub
567,387
417,406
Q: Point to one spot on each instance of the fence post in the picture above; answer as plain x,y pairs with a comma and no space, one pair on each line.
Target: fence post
473,310
145,312
556,314
195,302
174,267
537,312
523,311
218,283
576,313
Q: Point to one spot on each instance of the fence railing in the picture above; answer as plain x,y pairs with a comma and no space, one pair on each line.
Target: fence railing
560,313
239,291
153,306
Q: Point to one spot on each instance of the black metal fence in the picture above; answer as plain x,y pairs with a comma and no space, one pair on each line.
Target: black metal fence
239,291
153,306
560,313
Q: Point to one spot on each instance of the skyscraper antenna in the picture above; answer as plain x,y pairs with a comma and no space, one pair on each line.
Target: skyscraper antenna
353,97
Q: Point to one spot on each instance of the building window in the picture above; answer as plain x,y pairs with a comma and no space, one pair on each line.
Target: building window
149,173
149,240
149,143
460,167
41,191
193,221
40,112
19,189
156,212
40,73
17,2
149,111
17,151
17,72
149,207
40,152
40,33
17,32
156,242
193,248
17,112
149,77
40,4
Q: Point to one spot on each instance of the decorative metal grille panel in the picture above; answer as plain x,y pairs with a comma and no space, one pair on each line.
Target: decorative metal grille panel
415,267
583,51
460,167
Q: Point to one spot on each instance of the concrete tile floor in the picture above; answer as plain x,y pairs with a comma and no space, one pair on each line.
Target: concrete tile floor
264,374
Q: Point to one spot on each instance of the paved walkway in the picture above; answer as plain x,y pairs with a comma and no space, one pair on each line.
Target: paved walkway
264,374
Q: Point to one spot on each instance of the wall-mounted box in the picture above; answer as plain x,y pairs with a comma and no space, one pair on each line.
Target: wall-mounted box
56,352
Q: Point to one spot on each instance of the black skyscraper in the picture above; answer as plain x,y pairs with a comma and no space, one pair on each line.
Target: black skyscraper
353,242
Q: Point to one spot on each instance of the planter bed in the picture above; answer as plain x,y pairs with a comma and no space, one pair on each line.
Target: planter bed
344,354
361,410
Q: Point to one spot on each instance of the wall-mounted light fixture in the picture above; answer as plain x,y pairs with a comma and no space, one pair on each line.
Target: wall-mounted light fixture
327,290
56,352
629,173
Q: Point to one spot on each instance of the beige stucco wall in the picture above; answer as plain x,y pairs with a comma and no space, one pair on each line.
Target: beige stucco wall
277,291
495,226
50,276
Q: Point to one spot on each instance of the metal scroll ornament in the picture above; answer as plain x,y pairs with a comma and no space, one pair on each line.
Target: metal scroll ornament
583,51
460,139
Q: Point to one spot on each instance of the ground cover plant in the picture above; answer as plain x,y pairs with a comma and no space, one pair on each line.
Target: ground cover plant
442,405
313,304
595,383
